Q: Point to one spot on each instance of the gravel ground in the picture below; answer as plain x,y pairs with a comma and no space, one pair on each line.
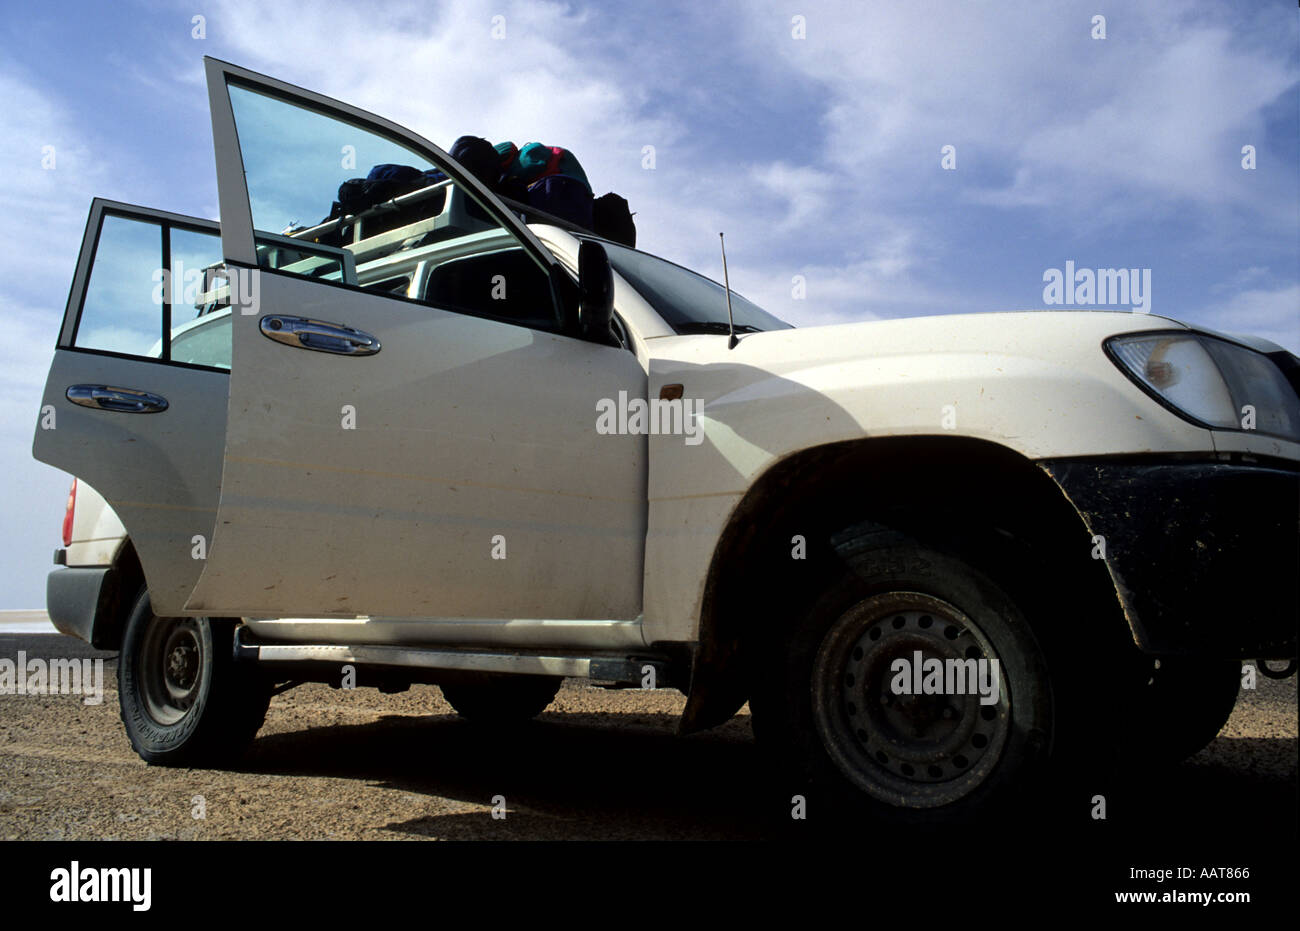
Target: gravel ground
597,764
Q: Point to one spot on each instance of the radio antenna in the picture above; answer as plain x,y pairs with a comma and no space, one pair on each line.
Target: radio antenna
731,323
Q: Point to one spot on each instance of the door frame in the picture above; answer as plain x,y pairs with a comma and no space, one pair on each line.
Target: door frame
101,207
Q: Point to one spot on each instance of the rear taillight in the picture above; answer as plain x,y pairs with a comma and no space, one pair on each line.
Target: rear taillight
67,515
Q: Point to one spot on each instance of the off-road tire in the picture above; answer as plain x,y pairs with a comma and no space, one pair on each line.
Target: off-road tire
184,701
833,741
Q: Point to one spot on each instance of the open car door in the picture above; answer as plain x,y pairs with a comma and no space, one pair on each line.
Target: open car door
420,444
135,401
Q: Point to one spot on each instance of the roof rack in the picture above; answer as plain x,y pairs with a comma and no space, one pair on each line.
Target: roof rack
357,220
449,213
452,213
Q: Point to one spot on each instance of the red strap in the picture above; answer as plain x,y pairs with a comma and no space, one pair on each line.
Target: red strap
553,165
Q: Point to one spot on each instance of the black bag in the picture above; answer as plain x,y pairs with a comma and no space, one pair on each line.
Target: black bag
352,198
479,158
564,197
611,219
384,182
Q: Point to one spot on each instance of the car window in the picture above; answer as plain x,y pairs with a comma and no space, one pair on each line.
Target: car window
504,284
122,308
146,294
321,182
688,302
205,341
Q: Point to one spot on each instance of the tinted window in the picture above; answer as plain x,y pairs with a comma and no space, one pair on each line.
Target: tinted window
506,284
129,300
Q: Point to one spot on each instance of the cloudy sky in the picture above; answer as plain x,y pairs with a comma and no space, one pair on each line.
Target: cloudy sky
811,133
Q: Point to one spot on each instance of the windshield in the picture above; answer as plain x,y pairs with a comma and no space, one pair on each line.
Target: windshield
689,303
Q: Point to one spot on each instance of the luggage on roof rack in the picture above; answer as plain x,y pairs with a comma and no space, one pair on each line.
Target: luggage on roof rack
544,182
551,181
611,219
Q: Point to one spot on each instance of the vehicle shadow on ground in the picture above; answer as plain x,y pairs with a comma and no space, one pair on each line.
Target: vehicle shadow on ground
587,776
571,775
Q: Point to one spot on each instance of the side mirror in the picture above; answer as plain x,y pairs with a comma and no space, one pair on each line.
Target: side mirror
595,292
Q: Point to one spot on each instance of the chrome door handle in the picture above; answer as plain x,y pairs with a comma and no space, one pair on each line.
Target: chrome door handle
126,400
303,333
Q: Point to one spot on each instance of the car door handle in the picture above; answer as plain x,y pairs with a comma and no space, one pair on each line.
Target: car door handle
319,335
126,400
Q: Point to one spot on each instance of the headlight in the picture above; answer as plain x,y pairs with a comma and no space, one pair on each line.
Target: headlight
1210,381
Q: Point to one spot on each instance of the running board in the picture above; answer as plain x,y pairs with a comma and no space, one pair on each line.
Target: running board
610,668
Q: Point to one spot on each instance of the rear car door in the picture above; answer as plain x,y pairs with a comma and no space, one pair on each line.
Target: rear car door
421,445
135,400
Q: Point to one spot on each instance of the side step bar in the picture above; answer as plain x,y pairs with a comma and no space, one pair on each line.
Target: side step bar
611,668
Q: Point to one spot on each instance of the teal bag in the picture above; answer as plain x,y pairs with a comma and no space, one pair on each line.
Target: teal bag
537,161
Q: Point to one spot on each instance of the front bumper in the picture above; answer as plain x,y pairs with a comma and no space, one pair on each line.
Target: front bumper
1205,556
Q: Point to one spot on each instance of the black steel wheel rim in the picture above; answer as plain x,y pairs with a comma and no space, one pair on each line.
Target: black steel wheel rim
908,750
170,668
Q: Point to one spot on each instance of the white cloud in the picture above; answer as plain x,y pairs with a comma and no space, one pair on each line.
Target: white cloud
1271,313
885,281
440,73
1042,114
805,191
45,208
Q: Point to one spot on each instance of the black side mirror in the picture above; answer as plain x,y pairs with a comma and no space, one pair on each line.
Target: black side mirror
595,293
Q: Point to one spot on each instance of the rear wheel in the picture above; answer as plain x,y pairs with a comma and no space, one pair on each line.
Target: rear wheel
500,699
184,701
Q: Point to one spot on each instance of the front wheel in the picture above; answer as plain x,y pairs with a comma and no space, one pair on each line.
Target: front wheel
183,699
913,690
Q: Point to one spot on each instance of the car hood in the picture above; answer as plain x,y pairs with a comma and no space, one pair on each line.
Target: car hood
1046,335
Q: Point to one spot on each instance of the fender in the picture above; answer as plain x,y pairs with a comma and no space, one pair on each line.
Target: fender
1035,383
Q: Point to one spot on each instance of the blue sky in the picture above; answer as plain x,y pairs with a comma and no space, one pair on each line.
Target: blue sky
818,156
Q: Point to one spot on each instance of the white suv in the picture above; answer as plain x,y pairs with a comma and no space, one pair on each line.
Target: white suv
450,440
